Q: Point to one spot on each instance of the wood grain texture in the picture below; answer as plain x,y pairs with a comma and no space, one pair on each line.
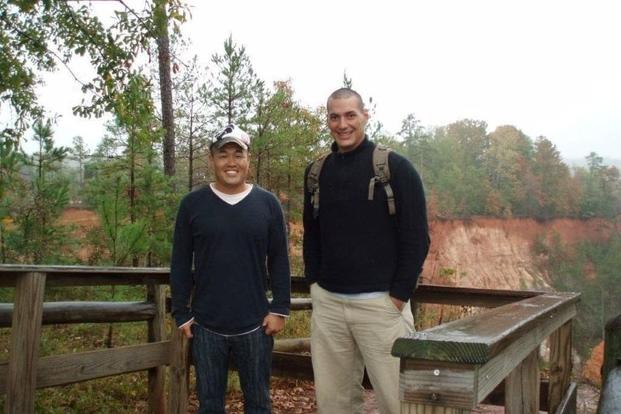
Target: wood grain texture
477,339
463,385
462,296
157,333
301,304
292,345
492,373
70,368
439,386
179,372
522,386
560,365
21,379
86,312
86,275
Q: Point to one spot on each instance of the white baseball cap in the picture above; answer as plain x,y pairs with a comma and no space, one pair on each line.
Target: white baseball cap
231,133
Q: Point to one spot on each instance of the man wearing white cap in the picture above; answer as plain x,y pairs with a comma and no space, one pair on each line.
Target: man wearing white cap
234,235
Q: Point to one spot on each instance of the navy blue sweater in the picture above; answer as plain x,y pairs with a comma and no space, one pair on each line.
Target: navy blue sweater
355,246
238,250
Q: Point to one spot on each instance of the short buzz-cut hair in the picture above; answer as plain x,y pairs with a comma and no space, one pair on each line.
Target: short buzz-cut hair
344,93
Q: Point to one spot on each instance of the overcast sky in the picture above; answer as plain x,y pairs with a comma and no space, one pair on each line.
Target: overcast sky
550,68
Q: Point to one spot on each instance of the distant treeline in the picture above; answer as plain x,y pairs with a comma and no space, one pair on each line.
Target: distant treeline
469,172
466,170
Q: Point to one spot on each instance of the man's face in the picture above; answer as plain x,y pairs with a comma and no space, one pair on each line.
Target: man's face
231,165
347,121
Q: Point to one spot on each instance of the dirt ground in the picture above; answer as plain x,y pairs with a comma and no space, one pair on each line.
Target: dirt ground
298,397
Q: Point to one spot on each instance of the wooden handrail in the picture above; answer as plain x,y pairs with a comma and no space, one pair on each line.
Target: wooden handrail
458,364
86,312
86,275
479,338
15,269
68,312
105,276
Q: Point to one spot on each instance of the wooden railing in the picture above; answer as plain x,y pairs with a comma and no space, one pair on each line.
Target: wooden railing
25,371
459,363
453,367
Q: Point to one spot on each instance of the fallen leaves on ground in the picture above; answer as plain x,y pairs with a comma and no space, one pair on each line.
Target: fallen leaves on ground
289,396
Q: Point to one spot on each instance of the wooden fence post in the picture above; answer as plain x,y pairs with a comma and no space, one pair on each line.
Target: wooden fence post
179,373
560,365
522,386
157,333
24,348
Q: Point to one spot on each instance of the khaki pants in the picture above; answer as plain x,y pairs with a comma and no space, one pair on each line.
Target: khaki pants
347,335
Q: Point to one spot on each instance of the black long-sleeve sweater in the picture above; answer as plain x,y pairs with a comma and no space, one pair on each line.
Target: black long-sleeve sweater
230,246
355,246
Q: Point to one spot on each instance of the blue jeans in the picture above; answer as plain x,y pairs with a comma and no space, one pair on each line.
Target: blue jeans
252,354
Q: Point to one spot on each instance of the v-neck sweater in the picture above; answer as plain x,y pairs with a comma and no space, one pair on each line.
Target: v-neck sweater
239,252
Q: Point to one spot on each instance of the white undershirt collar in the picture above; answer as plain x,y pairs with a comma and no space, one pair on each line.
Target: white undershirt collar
231,199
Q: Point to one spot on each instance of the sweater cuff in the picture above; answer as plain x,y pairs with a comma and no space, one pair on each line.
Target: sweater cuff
401,293
190,322
181,318
279,310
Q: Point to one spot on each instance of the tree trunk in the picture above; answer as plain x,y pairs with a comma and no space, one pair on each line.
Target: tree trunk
191,153
168,121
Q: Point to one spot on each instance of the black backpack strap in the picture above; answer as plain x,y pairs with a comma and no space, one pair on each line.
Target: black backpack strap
312,182
382,174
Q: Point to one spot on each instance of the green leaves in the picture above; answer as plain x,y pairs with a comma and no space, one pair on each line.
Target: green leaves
233,87
469,172
38,35
592,268
35,204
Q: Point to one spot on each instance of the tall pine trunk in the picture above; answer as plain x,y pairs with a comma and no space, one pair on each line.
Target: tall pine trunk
168,120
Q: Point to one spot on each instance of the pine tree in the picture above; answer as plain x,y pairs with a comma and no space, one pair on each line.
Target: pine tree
233,88
39,238
551,182
192,123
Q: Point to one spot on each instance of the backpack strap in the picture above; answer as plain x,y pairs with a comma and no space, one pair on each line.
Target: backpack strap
382,175
312,182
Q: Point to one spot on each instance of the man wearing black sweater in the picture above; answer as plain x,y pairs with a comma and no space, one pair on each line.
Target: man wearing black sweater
234,235
361,262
